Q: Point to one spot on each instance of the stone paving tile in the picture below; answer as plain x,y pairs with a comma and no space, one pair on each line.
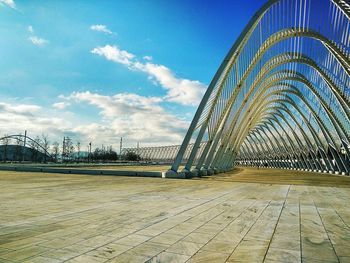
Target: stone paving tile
184,248
5,251
24,253
109,251
132,240
41,259
169,258
166,238
313,260
148,249
86,258
61,254
57,218
22,243
344,259
220,246
243,251
208,257
129,258
199,238
283,255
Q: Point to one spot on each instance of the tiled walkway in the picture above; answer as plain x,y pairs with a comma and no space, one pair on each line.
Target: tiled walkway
76,218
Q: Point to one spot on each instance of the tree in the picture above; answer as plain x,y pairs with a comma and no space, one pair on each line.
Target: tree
67,148
78,149
45,145
55,150
19,152
5,143
104,154
35,145
131,156
32,146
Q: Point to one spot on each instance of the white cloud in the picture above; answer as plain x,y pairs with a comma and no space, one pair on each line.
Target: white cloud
60,105
115,54
131,116
30,29
15,118
23,109
148,58
9,3
38,41
101,28
182,91
134,117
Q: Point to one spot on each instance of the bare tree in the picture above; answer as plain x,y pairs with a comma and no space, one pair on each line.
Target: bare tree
5,143
36,147
19,151
45,144
67,148
32,146
78,150
56,150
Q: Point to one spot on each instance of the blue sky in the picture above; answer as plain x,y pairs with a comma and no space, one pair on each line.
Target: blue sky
99,70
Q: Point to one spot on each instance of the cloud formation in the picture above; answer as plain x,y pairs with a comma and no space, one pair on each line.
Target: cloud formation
38,41
115,54
101,28
9,3
15,118
135,117
60,105
179,90
30,29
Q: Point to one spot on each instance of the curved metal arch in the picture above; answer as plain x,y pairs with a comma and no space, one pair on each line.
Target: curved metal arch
318,96
327,136
340,163
291,142
295,79
238,142
300,59
305,120
317,163
241,103
308,62
304,60
26,137
330,115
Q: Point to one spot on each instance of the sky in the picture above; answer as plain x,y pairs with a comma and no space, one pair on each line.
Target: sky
100,70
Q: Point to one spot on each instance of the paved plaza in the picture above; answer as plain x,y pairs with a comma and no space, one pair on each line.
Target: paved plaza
286,217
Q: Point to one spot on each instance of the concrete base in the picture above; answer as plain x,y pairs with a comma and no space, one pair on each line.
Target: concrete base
172,174
203,172
187,173
194,173
210,171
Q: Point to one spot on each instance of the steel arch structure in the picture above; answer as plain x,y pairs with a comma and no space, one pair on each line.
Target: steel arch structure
281,97
24,139
163,154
